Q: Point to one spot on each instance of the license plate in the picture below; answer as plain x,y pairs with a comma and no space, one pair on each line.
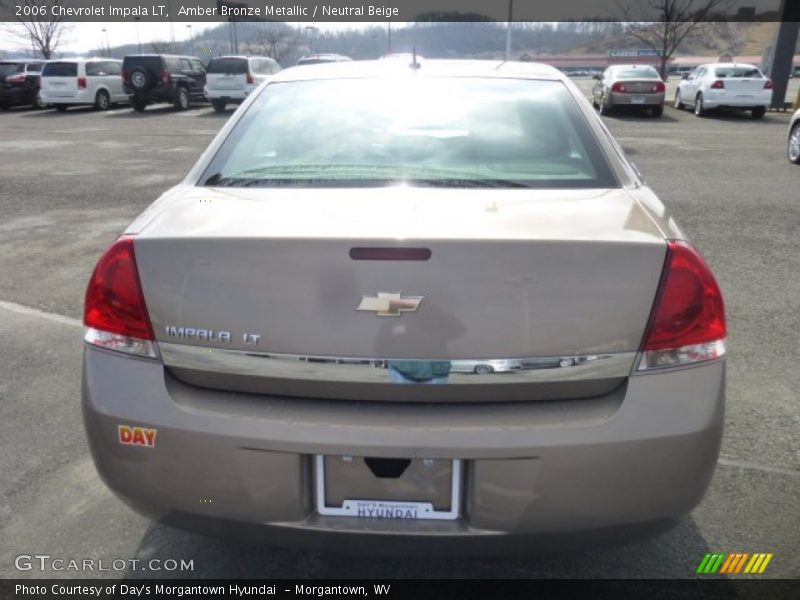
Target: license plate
637,99
387,508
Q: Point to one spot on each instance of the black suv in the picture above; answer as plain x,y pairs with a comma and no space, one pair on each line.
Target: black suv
150,78
19,83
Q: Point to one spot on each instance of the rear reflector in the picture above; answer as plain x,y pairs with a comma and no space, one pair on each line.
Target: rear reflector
115,310
390,253
687,324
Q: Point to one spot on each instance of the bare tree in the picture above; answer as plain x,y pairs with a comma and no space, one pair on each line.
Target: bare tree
275,40
42,28
161,47
676,20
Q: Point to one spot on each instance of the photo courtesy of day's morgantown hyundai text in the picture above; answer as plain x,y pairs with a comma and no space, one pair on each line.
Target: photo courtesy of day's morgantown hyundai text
422,302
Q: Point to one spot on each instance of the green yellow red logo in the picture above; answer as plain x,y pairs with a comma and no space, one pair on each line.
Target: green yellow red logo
734,563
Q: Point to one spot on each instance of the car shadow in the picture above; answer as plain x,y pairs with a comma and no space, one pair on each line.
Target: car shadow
212,114
674,553
159,110
51,113
625,114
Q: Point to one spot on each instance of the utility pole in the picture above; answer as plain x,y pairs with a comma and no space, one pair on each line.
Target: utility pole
508,29
191,38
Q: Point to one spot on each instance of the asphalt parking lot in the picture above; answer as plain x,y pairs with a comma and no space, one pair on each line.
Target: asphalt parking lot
69,183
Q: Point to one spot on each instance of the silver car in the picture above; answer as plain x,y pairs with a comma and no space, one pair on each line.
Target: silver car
793,144
638,86
371,213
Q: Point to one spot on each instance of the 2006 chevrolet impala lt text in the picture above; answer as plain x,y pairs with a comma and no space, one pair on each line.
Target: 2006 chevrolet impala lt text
419,302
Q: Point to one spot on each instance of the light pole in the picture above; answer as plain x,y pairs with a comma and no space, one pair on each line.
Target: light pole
191,38
138,39
105,39
508,31
311,32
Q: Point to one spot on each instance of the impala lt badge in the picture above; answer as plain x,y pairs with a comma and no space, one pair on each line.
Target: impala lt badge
387,304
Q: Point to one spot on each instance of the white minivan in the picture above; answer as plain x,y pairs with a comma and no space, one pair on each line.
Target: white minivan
229,79
83,81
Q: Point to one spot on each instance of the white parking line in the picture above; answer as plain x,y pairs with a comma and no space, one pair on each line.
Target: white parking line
740,464
35,312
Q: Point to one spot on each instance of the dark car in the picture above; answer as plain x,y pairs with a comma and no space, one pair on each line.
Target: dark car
19,83
152,78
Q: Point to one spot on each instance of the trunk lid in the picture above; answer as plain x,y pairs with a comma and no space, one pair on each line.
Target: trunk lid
512,274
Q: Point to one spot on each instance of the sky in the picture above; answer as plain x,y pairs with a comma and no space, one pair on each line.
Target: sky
86,38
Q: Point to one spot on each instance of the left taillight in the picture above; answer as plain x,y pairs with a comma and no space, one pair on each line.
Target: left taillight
115,313
687,324
16,78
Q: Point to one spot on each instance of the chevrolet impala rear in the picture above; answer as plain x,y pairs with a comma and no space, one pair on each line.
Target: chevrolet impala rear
407,304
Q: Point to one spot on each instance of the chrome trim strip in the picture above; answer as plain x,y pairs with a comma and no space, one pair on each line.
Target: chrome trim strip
553,369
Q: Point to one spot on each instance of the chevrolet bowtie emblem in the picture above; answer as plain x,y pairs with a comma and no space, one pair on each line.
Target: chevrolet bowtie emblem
389,304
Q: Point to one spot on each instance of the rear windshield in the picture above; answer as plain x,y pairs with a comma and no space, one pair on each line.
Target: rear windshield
644,73
459,132
150,62
235,66
723,72
60,69
10,68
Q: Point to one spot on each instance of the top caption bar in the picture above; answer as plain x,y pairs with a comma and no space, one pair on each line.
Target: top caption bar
394,10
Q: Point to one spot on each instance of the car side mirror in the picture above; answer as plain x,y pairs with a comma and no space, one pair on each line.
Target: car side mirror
685,76
597,77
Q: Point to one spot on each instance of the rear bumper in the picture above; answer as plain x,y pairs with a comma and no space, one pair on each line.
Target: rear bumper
227,95
641,455
726,99
17,96
79,97
632,99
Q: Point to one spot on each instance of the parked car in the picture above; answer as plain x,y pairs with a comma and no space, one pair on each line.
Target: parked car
629,85
316,59
230,79
793,144
451,212
20,83
83,81
154,78
732,86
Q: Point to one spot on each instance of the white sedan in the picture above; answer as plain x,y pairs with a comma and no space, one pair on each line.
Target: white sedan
725,85
793,146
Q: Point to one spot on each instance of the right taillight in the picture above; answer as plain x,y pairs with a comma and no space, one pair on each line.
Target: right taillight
250,79
687,324
115,313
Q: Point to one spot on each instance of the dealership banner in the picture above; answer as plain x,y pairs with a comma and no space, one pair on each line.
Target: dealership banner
378,10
